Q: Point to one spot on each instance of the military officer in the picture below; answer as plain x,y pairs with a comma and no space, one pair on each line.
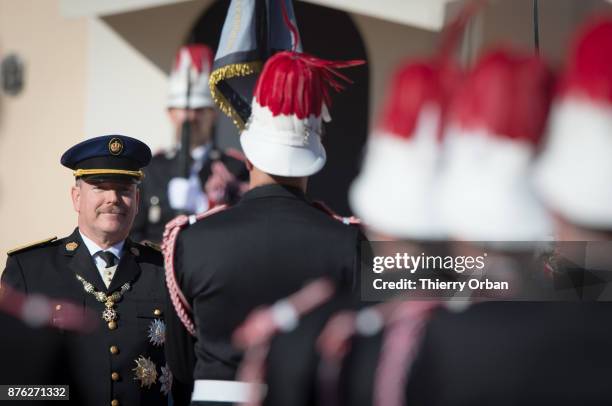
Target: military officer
99,267
214,176
272,241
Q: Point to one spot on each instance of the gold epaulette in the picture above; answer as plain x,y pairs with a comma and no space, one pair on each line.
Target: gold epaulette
31,245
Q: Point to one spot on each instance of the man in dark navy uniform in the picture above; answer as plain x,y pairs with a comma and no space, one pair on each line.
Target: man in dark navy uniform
122,360
213,177
266,246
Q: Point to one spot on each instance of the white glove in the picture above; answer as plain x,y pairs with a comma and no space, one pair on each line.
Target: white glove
187,195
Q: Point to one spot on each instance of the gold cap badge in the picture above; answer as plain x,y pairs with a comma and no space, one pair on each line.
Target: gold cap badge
115,146
71,246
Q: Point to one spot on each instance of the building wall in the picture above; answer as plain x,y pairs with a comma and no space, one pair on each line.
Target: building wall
129,58
407,42
511,22
40,123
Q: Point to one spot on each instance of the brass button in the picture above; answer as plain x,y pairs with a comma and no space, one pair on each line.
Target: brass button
115,376
114,402
157,312
114,350
112,325
58,307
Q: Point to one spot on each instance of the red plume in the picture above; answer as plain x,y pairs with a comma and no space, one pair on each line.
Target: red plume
507,94
412,87
417,83
589,69
293,83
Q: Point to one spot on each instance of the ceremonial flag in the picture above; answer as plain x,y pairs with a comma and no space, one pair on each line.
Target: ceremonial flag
253,31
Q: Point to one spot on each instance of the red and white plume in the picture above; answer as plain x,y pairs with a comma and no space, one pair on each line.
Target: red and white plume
191,69
393,192
495,123
574,173
292,95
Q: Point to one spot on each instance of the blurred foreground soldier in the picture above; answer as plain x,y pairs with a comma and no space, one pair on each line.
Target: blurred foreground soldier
394,192
507,353
574,173
122,361
32,345
269,244
495,126
189,178
403,155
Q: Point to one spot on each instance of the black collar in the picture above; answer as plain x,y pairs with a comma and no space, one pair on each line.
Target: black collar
273,190
83,264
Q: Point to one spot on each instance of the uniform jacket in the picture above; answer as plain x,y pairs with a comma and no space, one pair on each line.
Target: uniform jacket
154,210
92,358
31,356
259,251
515,353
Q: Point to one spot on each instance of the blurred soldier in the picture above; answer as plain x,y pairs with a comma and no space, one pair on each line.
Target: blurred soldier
507,353
573,174
122,361
189,178
32,344
491,140
274,239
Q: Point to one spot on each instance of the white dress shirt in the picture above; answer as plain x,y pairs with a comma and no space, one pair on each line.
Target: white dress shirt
106,273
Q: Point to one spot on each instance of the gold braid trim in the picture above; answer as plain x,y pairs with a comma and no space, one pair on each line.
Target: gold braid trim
228,72
85,172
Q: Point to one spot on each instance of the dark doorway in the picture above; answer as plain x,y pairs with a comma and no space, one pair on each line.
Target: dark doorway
329,34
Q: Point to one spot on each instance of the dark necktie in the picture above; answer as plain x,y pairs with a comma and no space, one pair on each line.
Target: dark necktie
108,257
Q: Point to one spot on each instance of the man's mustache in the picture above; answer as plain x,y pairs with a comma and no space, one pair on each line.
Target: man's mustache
111,210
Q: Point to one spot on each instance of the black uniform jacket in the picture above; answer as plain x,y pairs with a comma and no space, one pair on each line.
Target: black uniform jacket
295,374
516,353
51,270
259,251
154,210
31,356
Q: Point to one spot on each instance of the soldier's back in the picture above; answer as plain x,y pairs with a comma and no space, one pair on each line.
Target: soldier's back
255,253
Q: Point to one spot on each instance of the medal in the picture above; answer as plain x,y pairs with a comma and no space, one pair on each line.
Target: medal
157,332
166,380
145,372
109,314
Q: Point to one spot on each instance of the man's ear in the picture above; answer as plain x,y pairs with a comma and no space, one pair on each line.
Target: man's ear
249,165
75,193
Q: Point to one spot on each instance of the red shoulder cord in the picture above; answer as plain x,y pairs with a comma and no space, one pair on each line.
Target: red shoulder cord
171,232
325,209
403,322
401,343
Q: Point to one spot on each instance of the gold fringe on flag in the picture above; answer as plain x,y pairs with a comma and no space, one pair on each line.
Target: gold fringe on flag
228,72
